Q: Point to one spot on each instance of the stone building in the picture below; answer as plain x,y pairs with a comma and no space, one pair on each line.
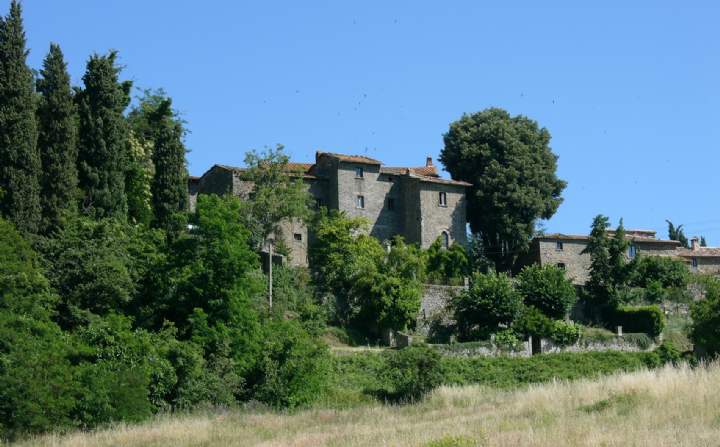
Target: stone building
565,251
413,202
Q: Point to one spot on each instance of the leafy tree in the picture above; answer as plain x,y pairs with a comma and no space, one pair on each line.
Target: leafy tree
617,250
490,301
276,195
19,157
677,234
510,164
663,270
57,140
703,242
294,298
531,322
374,289
449,264
99,267
159,126
103,138
547,289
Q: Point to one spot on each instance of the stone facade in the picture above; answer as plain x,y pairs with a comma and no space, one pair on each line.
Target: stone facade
414,203
565,251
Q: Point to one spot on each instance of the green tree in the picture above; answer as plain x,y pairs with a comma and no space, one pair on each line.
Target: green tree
447,264
19,157
138,181
103,138
676,233
159,126
512,169
547,289
490,301
703,242
57,140
617,250
663,270
600,284
276,194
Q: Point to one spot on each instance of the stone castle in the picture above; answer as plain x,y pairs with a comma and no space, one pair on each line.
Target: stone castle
412,202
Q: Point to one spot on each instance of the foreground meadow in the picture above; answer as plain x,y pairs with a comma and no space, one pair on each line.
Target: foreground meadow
665,407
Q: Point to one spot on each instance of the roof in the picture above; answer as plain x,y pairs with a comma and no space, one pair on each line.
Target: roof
584,237
350,158
299,169
427,171
193,178
699,252
438,180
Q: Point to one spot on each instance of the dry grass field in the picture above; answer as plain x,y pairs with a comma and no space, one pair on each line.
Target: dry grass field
666,407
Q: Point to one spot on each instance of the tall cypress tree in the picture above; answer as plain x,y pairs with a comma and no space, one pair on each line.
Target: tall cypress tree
57,140
169,186
155,122
19,158
103,138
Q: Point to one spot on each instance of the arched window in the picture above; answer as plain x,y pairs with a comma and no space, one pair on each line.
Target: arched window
445,239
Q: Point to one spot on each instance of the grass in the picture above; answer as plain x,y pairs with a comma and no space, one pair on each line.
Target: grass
676,330
665,407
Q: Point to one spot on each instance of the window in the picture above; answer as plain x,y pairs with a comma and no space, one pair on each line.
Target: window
360,202
561,265
442,198
445,239
694,263
559,246
359,172
632,251
391,204
297,236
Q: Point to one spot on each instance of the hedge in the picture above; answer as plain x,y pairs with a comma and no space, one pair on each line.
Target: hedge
647,319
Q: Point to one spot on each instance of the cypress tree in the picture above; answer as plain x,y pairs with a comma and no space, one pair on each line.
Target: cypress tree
19,158
57,140
169,186
155,123
103,138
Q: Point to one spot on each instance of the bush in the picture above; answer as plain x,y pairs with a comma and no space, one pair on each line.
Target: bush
647,319
565,333
547,289
533,323
664,271
292,368
490,301
667,352
508,340
411,373
705,314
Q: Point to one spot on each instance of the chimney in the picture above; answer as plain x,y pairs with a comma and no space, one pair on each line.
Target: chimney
694,243
428,161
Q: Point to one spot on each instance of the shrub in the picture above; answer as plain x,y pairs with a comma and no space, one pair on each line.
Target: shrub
647,319
508,340
533,323
292,368
565,333
412,372
667,352
666,272
547,289
705,314
490,301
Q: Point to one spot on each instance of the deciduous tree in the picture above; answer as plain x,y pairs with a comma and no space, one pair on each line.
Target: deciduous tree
512,169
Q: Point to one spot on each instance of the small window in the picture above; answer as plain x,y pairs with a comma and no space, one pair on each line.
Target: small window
360,202
359,172
561,265
694,263
297,236
391,204
445,239
632,251
442,198
559,246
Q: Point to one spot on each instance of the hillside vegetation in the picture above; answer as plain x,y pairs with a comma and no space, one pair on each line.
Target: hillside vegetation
672,406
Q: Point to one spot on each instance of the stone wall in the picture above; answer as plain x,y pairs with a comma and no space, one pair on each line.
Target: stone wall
577,265
435,300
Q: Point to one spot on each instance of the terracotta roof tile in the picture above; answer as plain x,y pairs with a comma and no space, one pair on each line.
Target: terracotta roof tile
700,252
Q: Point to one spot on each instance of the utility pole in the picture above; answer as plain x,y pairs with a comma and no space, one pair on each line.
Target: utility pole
270,271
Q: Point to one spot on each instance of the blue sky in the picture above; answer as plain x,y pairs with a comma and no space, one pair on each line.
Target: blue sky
629,94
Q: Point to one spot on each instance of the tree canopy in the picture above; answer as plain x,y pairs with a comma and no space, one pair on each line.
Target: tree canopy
512,168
